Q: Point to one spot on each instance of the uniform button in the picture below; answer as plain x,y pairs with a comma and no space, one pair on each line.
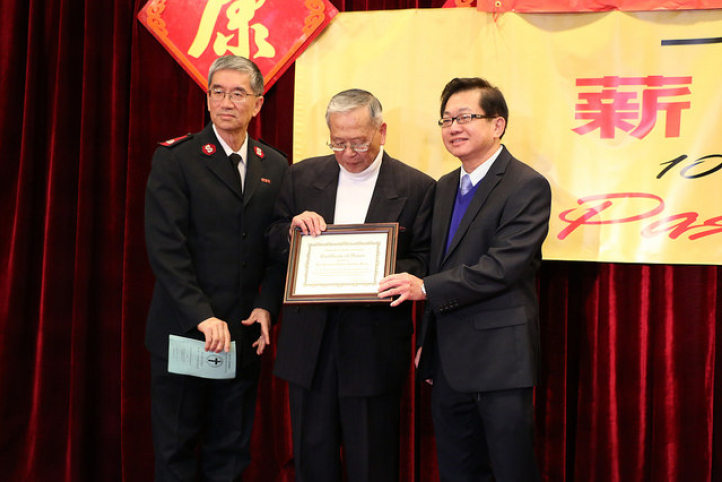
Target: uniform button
244,235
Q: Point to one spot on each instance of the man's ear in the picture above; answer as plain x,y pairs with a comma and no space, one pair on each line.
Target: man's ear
499,127
382,133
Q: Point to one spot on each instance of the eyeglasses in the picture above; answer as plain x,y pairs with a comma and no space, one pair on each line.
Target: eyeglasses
236,96
461,119
359,148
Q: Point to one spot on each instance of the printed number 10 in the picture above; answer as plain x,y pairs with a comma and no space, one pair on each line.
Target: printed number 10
686,172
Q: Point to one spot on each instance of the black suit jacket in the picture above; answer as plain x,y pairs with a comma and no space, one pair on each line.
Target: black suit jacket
373,338
205,239
482,308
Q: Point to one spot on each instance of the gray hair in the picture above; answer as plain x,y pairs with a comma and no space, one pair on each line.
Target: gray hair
239,64
351,99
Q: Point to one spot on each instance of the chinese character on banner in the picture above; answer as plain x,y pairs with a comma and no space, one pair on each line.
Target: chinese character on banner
631,104
272,33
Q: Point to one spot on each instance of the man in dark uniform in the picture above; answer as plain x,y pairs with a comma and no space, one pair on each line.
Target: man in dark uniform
209,200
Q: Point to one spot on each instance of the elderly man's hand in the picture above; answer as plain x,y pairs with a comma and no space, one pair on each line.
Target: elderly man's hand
309,222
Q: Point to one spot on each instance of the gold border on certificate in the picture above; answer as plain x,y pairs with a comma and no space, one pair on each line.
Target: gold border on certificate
342,265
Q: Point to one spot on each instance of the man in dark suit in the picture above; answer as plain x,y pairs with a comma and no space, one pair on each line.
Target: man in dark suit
206,213
479,344
346,363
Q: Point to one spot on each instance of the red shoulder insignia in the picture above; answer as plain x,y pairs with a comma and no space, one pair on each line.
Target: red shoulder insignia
259,152
177,140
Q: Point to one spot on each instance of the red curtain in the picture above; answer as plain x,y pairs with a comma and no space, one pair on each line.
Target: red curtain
629,389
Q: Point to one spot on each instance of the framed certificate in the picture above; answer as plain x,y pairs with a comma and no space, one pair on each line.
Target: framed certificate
342,265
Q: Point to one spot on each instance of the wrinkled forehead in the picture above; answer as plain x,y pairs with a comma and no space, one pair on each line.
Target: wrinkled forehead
355,123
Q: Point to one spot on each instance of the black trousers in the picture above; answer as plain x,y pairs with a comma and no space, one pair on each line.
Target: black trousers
485,436
323,422
195,417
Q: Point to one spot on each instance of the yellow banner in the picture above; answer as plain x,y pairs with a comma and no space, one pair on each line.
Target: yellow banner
621,111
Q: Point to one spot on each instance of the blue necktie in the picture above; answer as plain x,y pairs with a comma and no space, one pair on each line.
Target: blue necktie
465,185
462,202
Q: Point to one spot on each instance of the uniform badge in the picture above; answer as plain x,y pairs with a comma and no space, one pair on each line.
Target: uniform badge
267,181
259,152
209,149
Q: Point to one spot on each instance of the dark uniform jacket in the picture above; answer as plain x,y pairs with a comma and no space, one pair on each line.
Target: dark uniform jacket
205,239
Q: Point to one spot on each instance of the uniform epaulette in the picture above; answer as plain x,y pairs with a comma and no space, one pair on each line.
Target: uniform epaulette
176,141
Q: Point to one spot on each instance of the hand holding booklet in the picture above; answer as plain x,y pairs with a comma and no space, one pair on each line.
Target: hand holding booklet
187,356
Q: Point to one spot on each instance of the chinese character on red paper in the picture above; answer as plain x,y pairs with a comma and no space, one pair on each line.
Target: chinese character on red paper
238,17
273,33
617,104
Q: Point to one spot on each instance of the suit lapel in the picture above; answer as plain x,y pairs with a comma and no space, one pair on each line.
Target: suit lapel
443,210
324,187
386,205
217,161
486,186
254,170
